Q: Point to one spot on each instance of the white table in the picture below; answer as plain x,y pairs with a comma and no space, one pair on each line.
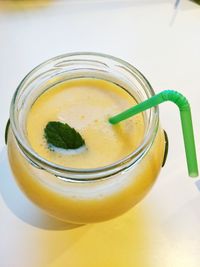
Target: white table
164,45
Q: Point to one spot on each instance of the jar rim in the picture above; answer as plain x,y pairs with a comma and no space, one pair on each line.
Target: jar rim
62,171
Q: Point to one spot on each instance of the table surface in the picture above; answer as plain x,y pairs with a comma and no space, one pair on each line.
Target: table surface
163,43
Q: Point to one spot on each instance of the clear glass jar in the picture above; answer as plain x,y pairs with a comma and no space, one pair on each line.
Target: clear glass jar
84,195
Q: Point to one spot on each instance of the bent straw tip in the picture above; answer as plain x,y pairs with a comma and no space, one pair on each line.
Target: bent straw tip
112,120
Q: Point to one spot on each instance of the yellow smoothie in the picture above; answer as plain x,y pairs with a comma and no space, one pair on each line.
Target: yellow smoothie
86,105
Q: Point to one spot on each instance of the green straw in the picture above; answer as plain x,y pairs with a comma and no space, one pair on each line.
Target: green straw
186,121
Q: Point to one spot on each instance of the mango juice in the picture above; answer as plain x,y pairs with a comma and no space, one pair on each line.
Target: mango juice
86,105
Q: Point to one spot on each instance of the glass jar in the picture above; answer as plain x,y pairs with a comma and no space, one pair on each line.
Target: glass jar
84,195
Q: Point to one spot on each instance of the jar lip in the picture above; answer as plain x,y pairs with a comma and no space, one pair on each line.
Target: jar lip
45,164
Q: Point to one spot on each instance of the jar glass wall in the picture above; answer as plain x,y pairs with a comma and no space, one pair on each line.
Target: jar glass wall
84,195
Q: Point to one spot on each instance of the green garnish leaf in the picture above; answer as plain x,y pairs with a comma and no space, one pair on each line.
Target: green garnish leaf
62,135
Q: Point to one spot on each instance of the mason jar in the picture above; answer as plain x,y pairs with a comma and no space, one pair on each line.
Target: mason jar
87,195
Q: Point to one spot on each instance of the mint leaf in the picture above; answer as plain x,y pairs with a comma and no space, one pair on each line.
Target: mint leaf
62,135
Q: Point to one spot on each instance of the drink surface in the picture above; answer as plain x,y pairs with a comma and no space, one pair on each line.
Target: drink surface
86,105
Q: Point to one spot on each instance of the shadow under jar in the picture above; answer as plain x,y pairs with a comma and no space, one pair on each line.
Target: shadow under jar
79,195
